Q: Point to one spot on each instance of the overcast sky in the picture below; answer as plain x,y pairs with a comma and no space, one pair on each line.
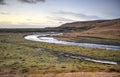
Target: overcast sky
51,13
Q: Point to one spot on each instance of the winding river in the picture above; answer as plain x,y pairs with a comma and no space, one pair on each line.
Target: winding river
46,38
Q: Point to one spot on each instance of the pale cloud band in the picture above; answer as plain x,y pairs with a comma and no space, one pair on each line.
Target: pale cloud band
72,16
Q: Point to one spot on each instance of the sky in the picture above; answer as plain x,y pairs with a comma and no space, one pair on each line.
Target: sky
53,13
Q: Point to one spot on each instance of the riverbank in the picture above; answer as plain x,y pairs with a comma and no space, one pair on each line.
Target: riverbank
80,37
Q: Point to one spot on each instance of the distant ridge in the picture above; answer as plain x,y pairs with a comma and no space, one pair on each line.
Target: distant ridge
96,26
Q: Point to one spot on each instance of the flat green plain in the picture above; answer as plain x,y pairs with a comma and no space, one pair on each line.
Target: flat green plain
18,55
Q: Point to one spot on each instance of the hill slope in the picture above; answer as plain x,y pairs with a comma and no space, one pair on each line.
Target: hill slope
98,31
97,26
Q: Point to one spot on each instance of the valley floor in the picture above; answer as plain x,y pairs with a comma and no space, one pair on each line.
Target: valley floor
21,58
76,74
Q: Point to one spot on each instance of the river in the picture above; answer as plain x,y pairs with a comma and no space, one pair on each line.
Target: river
47,38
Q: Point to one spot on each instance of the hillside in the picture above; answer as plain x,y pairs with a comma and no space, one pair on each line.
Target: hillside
97,26
98,31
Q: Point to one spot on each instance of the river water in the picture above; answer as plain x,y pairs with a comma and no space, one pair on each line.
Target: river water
48,39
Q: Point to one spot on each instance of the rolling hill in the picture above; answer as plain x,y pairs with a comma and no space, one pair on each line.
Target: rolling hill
96,26
97,31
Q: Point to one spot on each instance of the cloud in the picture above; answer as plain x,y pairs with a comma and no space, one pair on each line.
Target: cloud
60,18
2,2
4,13
66,17
29,19
78,16
32,1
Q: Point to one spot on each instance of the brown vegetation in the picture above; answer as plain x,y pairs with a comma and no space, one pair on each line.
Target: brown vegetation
98,26
80,74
